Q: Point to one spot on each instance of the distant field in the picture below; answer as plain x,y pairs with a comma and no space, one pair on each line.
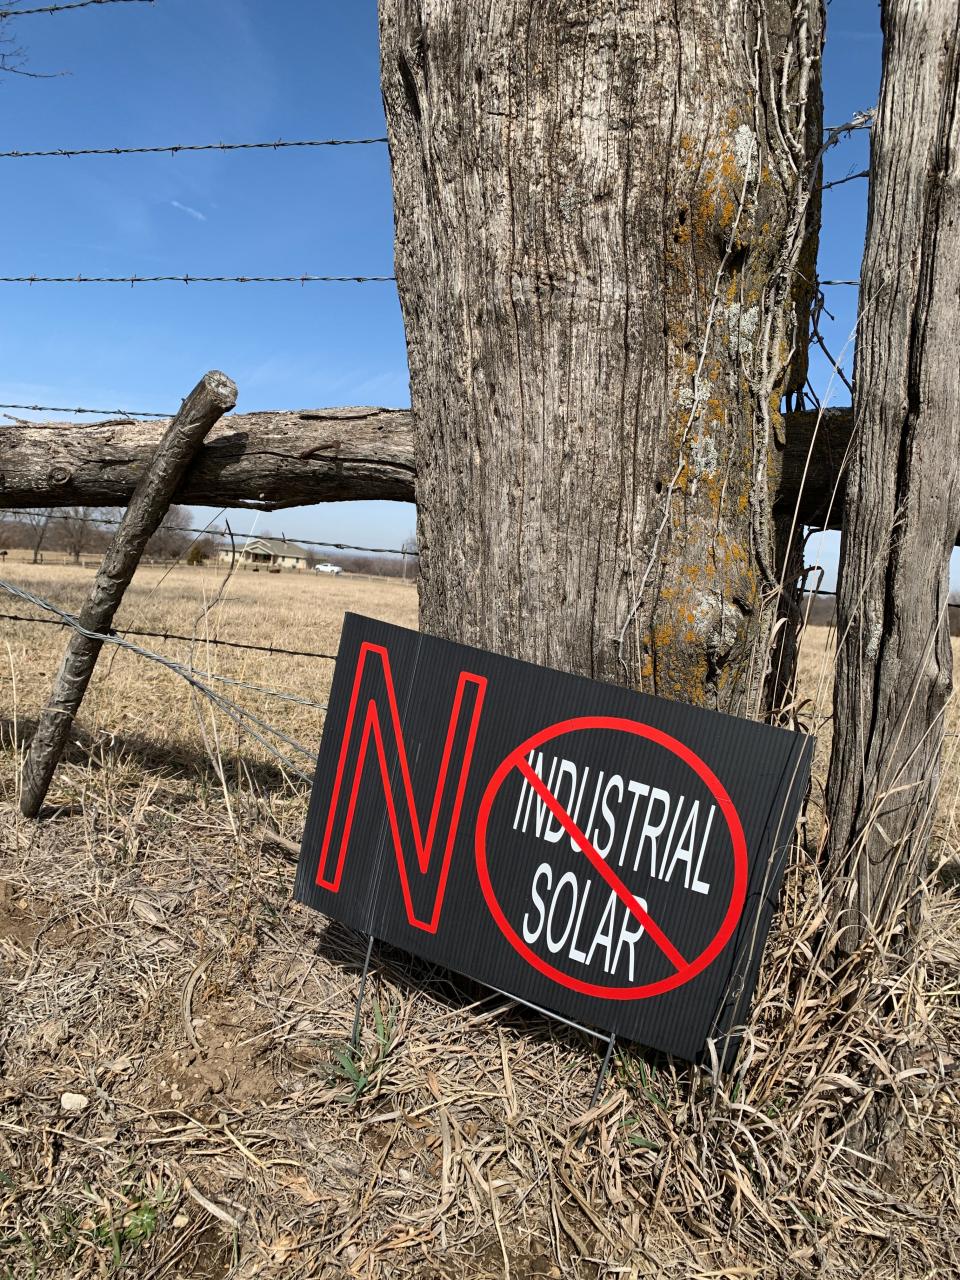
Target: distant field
289,610
131,694
173,1096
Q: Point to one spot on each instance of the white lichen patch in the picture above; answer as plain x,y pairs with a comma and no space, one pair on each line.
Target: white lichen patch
716,622
695,396
742,325
745,150
873,640
704,458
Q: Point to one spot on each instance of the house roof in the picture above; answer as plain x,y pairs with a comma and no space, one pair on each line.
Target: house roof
274,547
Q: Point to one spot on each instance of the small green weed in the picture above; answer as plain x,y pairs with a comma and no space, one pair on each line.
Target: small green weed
640,1078
360,1070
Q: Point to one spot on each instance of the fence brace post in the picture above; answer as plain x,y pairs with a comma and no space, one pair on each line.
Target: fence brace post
213,395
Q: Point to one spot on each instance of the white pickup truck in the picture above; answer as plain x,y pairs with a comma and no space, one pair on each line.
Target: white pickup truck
327,568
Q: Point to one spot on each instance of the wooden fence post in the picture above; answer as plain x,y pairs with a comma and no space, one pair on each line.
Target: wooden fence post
213,396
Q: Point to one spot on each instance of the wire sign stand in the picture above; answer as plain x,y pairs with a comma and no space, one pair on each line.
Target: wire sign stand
546,1013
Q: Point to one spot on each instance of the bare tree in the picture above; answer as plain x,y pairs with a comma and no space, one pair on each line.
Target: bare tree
605,240
37,522
202,549
11,56
903,495
408,551
9,530
77,530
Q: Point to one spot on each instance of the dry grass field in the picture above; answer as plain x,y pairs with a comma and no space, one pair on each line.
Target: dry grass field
174,1099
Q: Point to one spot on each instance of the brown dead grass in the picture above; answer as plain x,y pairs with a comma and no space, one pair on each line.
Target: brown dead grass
153,964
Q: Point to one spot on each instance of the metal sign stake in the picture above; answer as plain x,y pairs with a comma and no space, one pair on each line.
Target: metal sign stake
602,1074
355,1034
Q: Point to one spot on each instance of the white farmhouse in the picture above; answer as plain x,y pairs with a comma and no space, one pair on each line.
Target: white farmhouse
267,553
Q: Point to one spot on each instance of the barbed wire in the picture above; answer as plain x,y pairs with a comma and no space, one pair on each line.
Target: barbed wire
303,279
60,8
231,709
224,533
170,635
851,177
59,408
174,149
188,279
279,694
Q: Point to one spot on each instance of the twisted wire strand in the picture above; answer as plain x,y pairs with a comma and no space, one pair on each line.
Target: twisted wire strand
59,408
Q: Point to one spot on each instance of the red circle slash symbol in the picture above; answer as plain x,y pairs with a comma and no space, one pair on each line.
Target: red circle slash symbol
685,969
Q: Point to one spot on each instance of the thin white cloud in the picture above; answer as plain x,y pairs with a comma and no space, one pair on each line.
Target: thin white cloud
185,208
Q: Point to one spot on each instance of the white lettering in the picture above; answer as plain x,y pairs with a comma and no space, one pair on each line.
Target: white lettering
628,935
554,831
556,944
575,952
684,852
651,830
614,781
541,804
698,885
529,934
575,812
673,827
604,934
637,789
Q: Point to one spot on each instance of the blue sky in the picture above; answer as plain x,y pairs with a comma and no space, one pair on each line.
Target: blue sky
195,71
241,70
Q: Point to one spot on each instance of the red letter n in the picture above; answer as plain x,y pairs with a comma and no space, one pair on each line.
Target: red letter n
365,721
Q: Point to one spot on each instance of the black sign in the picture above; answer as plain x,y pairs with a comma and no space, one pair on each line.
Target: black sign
605,854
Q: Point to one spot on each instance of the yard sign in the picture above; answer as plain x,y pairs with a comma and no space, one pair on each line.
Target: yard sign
605,854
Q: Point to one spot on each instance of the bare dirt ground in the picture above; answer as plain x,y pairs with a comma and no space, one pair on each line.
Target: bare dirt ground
175,1095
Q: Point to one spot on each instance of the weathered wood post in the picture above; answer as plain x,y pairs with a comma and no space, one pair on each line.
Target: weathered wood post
213,395
894,663
605,232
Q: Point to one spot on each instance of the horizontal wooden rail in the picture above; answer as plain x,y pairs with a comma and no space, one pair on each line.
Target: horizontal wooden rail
291,458
262,460
814,463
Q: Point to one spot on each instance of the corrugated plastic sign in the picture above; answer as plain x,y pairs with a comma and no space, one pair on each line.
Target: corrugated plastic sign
605,854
